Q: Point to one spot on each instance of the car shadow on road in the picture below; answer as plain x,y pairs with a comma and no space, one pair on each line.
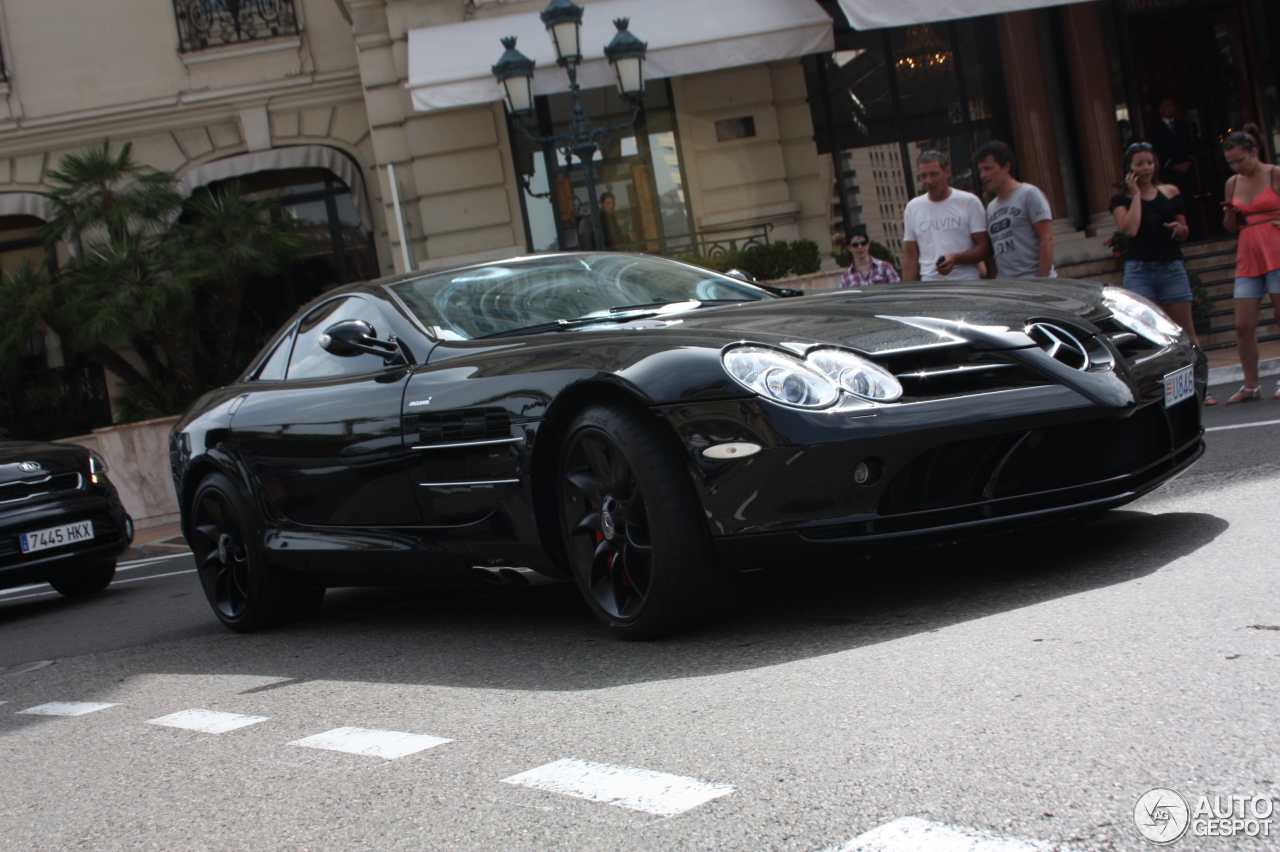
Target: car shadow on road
544,639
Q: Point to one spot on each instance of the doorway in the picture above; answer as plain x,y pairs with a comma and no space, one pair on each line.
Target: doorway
1199,57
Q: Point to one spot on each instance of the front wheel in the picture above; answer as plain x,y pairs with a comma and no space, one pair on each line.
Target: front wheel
246,592
633,527
88,581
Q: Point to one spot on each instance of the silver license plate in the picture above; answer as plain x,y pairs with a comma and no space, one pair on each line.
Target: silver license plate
56,536
1179,385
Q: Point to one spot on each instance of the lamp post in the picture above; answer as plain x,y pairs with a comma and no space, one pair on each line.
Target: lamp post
625,53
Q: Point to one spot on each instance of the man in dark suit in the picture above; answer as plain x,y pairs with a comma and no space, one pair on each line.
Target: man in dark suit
1170,137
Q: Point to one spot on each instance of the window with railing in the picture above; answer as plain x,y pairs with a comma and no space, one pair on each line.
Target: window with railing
213,23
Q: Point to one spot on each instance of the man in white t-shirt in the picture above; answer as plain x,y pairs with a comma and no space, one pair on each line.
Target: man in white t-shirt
944,235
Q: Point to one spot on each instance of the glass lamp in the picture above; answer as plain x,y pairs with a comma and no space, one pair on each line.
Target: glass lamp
626,56
515,72
563,20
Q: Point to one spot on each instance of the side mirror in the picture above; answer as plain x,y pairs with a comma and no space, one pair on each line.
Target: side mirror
356,337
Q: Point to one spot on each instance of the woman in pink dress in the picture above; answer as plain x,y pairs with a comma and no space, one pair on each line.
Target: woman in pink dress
1252,209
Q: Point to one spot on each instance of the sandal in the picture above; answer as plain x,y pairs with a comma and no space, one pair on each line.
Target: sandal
1276,395
1245,395
1210,400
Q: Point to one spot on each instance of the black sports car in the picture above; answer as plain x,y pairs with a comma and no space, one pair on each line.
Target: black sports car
61,521
646,428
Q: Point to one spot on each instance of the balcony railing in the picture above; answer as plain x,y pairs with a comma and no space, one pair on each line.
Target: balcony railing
213,23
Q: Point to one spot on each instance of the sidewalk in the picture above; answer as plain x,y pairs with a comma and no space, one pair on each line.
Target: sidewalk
1224,364
155,541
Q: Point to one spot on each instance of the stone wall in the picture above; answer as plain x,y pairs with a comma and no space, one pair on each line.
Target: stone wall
137,456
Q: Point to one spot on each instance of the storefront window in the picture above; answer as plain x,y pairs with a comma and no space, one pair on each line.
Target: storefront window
884,97
640,169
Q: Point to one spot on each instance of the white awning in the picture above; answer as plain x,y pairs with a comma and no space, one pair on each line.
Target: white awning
449,65
26,204
293,157
874,14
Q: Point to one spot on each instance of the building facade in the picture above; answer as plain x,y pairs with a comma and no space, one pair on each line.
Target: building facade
379,124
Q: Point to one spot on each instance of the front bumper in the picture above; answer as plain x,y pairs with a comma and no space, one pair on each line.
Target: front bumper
112,528
938,468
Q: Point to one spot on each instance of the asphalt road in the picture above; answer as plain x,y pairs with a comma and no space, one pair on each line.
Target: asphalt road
1031,686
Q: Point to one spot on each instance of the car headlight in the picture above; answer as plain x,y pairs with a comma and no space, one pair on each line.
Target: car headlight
780,377
97,467
856,374
1141,316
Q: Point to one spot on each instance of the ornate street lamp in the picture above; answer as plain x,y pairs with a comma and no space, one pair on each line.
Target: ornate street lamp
625,53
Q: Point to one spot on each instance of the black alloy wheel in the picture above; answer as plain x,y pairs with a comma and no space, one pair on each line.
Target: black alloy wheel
87,581
246,592
633,527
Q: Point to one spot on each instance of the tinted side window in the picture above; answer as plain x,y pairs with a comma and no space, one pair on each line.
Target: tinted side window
272,369
310,361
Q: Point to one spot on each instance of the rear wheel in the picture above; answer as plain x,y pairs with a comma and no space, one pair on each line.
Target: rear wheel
88,581
246,592
633,527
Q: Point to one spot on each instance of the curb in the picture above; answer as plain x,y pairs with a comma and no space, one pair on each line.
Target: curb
1234,373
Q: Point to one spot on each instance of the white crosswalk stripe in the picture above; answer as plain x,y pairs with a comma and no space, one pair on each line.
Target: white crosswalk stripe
912,834
638,789
207,721
67,708
387,744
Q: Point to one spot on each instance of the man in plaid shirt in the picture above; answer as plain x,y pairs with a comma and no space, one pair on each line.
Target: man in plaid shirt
865,269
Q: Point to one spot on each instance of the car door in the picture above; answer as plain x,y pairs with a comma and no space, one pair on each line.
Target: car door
324,444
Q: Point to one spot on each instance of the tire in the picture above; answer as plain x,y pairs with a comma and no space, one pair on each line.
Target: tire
246,592
88,581
633,527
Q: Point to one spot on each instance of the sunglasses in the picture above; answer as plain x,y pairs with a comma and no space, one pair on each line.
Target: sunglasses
859,244
1138,146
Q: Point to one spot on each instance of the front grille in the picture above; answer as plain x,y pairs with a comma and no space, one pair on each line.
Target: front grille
1073,455
473,424
943,371
17,492
994,467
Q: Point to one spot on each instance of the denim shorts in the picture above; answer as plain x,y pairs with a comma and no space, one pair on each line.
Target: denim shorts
1163,282
1251,287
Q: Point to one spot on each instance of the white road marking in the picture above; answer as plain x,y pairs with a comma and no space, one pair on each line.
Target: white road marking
912,834
113,583
1243,425
638,789
388,744
67,708
17,589
208,721
137,563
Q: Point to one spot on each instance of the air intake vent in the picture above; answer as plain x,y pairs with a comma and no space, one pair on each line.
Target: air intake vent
472,424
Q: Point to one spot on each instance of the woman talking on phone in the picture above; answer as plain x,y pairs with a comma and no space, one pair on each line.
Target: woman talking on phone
1252,209
1151,214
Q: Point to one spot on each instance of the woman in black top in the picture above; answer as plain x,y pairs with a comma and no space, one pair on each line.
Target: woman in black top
1151,214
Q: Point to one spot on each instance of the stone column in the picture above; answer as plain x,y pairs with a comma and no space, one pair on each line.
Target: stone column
1096,128
1029,108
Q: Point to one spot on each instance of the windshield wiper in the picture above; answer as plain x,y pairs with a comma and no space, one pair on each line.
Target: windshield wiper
567,324
619,314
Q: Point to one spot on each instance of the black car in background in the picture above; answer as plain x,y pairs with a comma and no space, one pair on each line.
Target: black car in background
646,428
61,520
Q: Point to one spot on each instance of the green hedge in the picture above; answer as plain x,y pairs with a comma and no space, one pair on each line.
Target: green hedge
765,262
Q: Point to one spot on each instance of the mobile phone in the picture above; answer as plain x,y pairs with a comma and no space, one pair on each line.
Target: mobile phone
941,260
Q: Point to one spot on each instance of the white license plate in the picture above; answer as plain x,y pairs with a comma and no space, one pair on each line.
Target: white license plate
56,536
1179,385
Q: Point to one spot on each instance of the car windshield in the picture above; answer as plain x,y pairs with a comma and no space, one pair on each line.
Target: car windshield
502,297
